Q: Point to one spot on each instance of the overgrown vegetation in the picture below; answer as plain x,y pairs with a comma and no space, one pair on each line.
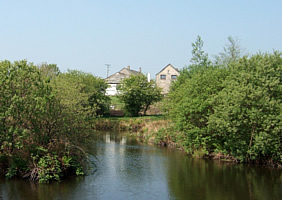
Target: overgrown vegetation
230,108
125,123
233,108
138,94
116,103
44,119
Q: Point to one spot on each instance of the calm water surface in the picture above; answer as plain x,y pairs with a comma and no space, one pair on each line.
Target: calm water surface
128,170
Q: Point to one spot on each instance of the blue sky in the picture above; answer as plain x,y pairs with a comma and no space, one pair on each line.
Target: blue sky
87,34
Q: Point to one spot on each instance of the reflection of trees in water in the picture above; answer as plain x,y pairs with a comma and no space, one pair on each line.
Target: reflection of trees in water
133,167
131,161
114,137
129,167
25,190
190,178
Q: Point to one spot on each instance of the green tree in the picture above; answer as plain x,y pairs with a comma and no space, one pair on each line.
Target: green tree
30,118
200,61
191,105
247,116
137,94
199,57
83,93
235,111
43,122
232,52
49,70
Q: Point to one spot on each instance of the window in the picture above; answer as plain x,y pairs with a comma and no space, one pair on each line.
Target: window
173,77
163,77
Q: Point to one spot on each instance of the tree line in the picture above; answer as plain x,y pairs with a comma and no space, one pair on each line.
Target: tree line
45,117
230,107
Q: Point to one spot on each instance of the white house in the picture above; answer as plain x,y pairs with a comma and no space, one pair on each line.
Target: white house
117,77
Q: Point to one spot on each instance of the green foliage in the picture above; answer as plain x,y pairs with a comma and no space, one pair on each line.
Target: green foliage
234,110
49,71
79,172
66,161
200,62
82,93
247,118
199,57
191,105
232,52
44,116
49,168
137,94
116,103
16,162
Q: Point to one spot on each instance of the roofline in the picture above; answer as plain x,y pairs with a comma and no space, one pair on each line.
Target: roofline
133,71
166,67
111,76
130,70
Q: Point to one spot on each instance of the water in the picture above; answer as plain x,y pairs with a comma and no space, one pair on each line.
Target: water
129,170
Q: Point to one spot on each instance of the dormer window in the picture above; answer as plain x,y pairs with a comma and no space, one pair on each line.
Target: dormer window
163,77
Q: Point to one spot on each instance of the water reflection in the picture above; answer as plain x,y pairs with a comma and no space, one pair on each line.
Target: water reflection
133,170
190,178
128,170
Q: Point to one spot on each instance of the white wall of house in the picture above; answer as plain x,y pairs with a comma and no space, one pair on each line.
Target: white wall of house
111,90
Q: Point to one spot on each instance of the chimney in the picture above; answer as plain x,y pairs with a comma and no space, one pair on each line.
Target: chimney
149,77
140,69
128,67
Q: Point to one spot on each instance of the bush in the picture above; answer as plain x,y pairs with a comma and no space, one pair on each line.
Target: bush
235,110
247,118
138,94
40,124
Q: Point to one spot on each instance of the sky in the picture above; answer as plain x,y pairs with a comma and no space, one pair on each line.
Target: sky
87,34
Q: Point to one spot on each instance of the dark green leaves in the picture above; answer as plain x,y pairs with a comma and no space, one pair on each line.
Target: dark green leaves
137,94
234,110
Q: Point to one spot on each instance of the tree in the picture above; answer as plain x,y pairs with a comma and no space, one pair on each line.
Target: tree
199,57
200,63
82,92
49,70
32,125
232,52
191,104
234,111
247,117
44,120
137,94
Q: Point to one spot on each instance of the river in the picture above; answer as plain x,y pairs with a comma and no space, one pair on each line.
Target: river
127,169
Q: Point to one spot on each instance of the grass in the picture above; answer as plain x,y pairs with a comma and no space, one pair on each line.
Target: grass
150,117
127,123
116,103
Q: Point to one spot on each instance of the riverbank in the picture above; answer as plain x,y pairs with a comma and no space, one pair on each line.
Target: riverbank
134,124
159,130
156,130
148,129
136,171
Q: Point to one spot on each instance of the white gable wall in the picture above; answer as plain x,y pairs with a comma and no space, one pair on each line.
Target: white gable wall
111,90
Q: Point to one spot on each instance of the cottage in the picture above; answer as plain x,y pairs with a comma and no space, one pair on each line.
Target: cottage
117,77
165,77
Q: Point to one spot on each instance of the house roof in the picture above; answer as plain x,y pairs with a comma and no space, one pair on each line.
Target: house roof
122,74
166,67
